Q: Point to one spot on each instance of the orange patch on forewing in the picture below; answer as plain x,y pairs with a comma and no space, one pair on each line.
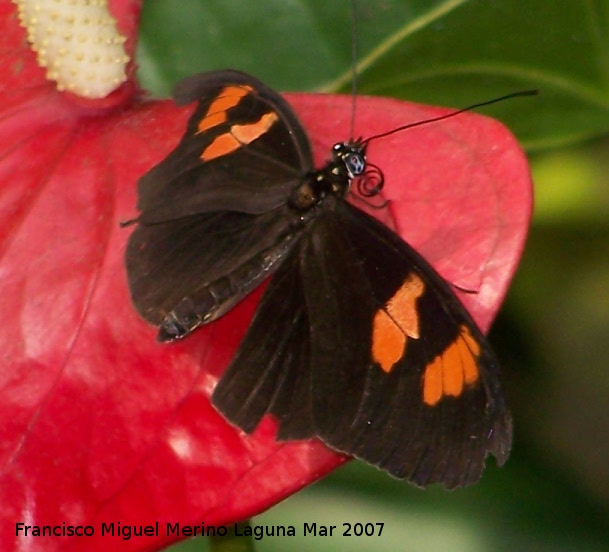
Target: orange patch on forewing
452,372
470,351
216,112
222,145
397,321
453,369
246,134
238,136
211,120
402,306
432,386
388,341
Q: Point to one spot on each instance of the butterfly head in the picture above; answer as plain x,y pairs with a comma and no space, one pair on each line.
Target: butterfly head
351,157
347,163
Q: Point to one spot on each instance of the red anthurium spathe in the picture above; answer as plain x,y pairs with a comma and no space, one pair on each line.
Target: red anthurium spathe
99,423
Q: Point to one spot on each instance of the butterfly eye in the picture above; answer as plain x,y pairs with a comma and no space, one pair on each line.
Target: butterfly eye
355,163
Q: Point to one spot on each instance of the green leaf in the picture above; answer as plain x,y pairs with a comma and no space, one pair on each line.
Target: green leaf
451,52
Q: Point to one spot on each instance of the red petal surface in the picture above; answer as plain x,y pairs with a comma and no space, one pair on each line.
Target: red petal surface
98,422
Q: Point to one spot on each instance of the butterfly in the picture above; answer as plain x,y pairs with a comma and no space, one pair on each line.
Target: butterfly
357,340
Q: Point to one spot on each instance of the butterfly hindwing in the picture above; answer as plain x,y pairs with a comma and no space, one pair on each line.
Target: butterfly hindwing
270,372
169,261
300,352
345,273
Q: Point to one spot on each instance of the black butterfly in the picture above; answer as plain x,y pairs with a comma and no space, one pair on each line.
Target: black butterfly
357,340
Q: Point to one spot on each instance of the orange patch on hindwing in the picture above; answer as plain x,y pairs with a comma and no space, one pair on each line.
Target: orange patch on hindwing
450,372
396,322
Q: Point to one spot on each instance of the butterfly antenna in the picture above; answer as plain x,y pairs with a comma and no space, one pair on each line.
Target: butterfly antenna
353,64
452,113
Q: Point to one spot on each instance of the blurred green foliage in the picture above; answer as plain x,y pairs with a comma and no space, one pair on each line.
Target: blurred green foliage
553,333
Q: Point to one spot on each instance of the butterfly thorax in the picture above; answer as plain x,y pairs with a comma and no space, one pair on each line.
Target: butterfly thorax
334,178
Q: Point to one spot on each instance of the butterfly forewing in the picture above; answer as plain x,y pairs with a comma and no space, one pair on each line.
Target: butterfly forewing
243,150
350,266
